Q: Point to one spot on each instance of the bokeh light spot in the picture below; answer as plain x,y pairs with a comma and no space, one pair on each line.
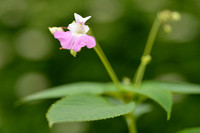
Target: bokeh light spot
13,13
30,83
171,77
33,45
106,10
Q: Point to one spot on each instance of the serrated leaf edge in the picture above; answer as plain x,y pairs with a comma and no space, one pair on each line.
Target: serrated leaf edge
51,123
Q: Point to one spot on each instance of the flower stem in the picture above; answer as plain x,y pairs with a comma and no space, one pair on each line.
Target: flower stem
131,123
146,57
152,36
107,65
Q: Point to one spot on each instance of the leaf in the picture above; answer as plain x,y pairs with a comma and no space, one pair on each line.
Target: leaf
190,130
100,88
159,95
71,89
180,88
85,108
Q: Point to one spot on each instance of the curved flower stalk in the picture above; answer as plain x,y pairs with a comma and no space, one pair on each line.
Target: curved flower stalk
76,37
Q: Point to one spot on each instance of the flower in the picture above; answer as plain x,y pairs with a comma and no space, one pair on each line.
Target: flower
76,37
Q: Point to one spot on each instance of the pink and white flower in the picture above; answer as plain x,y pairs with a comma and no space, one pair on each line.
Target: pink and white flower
76,37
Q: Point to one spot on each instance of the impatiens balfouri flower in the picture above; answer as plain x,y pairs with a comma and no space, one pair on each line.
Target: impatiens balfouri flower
76,37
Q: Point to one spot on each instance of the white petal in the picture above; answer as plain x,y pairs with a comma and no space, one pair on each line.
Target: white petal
73,27
79,19
85,19
78,29
86,29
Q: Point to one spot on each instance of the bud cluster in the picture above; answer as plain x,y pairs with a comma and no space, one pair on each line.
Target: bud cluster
166,16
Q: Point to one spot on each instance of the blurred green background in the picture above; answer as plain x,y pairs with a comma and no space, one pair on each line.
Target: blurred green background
30,59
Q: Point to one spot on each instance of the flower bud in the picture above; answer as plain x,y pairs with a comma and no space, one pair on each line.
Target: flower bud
175,16
126,81
164,15
54,29
168,15
146,59
167,28
72,52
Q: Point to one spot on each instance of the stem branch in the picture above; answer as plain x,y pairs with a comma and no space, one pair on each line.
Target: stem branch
146,57
152,36
131,123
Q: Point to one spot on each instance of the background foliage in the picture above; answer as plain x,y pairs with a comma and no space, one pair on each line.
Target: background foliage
30,59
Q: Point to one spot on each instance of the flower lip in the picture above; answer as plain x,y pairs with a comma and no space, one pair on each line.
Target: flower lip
70,41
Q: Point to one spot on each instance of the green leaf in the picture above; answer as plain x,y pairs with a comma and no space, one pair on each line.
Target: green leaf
190,130
100,88
180,88
159,95
71,89
85,108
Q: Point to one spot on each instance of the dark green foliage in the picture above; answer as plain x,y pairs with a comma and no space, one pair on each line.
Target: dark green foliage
122,36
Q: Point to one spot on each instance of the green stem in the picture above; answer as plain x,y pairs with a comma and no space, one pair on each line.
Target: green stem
131,123
152,36
139,75
107,65
146,55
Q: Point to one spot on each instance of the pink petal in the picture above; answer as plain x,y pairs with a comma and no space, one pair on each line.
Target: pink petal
66,39
84,40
